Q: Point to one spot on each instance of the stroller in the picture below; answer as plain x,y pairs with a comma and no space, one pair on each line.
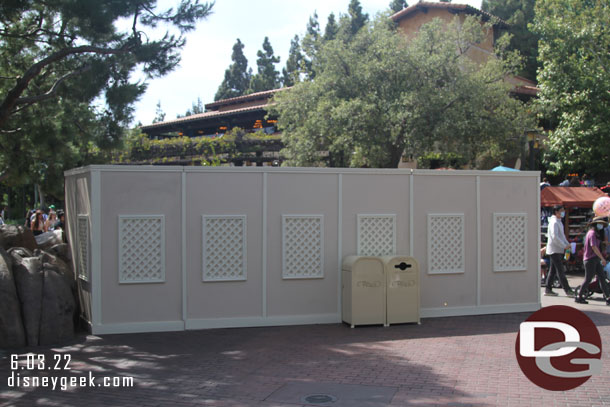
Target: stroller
595,286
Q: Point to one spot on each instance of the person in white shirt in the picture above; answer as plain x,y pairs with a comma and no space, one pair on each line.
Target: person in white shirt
556,245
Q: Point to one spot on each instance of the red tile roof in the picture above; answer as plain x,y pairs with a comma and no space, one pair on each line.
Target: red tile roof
205,115
242,99
422,5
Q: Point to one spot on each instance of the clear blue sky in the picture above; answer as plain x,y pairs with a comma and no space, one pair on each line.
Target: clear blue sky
208,49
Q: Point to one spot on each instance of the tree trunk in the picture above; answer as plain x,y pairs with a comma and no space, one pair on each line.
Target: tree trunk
40,195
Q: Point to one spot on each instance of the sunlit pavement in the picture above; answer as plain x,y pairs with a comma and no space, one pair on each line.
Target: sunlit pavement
460,361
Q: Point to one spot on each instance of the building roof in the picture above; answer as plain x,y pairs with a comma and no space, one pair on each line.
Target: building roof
526,90
266,94
451,7
569,196
205,115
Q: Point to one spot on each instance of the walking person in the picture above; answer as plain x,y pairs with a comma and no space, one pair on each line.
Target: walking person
594,260
556,245
51,221
38,224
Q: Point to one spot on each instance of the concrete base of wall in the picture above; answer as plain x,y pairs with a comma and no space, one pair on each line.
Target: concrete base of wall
214,323
480,310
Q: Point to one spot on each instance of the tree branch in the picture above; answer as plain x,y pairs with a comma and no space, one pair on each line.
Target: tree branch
51,92
11,131
13,97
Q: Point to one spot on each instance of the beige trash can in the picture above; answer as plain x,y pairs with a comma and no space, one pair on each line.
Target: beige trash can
363,291
402,274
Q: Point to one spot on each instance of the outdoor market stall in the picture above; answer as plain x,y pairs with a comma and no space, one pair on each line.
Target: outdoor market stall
578,203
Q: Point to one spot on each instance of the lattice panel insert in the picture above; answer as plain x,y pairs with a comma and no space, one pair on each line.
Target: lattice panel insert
82,230
302,246
142,249
224,248
445,243
376,235
510,241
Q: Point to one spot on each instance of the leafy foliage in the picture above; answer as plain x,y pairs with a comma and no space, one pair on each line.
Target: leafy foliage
519,14
378,95
575,82
66,92
397,5
233,145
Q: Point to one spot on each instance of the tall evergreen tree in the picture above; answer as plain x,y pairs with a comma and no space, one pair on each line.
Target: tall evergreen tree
237,76
291,73
331,29
310,45
357,18
352,22
196,108
159,113
519,14
267,76
397,5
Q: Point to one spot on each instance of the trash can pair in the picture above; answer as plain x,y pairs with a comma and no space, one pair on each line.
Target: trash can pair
380,290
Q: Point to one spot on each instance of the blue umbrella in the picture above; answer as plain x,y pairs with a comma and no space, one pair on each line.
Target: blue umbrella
502,168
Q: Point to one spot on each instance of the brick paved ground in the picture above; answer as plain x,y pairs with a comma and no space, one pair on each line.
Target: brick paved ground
445,361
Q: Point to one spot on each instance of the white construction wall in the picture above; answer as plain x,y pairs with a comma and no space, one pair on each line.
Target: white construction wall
172,248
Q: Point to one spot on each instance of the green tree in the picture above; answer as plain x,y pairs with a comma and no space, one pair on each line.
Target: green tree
575,81
378,96
50,46
267,76
66,93
237,77
196,108
331,29
310,46
397,5
159,113
291,74
353,21
519,14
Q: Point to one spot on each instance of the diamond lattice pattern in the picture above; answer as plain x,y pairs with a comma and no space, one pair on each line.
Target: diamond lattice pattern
510,242
302,247
142,249
83,247
376,235
224,248
446,244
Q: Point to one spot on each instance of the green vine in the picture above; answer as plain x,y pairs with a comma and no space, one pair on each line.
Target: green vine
197,151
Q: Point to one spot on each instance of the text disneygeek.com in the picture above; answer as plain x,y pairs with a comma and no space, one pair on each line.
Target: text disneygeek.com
23,371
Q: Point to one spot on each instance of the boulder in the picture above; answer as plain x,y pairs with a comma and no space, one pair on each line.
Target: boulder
20,252
58,308
49,239
62,251
29,282
57,264
12,333
17,236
